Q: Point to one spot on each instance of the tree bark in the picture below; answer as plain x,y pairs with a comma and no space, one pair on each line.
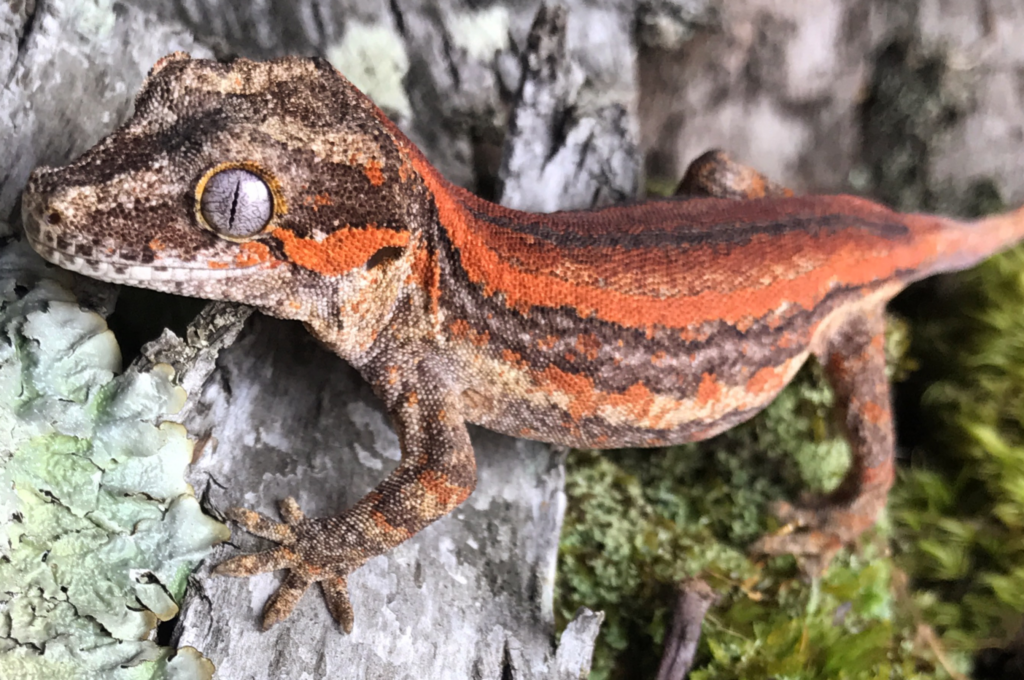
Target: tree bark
275,414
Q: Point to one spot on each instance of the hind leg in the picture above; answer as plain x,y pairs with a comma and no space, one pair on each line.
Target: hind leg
854,360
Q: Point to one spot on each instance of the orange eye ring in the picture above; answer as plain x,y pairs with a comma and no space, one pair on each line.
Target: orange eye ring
277,209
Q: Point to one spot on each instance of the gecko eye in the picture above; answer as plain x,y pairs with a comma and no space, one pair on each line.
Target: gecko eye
236,203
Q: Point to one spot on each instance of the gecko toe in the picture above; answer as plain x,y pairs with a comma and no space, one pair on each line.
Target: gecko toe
290,511
257,563
815,531
262,526
281,603
813,550
336,594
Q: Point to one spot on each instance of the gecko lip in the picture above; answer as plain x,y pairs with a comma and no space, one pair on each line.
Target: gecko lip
127,273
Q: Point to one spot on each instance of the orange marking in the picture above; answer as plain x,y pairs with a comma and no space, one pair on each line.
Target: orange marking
767,380
436,483
513,357
426,273
548,342
579,388
459,328
875,413
637,399
382,522
585,400
570,357
342,251
156,244
214,264
691,335
372,169
787,340
881,475
708,390
588,345
317,201
252,253
737,283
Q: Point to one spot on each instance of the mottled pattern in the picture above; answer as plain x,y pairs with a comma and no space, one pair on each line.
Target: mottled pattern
655,323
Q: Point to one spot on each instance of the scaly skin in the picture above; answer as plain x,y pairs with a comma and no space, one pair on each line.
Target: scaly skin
658,323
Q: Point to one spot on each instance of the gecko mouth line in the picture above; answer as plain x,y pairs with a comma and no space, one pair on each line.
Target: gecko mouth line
116,272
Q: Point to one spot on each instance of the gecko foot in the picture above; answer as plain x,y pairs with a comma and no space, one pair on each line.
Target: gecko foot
298,538
816,531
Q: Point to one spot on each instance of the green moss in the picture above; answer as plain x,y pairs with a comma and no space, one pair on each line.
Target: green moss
639,521
960,508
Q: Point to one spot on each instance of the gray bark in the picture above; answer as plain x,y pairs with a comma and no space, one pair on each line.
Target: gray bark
782,87
693,599
470,596
276,414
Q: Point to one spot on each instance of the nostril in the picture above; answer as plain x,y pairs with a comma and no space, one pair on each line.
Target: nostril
53,217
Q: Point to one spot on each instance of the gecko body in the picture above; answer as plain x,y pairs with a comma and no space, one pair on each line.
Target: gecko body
280,185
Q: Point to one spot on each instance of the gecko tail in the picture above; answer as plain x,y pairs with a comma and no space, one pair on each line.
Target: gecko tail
953,245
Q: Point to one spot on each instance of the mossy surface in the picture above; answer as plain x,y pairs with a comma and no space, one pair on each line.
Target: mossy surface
960,505
640,521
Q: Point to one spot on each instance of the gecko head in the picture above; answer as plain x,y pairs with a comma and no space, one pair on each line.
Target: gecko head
277,184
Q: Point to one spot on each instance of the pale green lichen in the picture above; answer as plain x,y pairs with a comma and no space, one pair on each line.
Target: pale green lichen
99,528
94,18
480,32
373,57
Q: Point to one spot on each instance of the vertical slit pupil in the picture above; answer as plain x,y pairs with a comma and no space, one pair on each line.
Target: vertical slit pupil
234,202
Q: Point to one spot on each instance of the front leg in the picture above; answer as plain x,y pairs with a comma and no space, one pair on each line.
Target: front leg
437,473
714,174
